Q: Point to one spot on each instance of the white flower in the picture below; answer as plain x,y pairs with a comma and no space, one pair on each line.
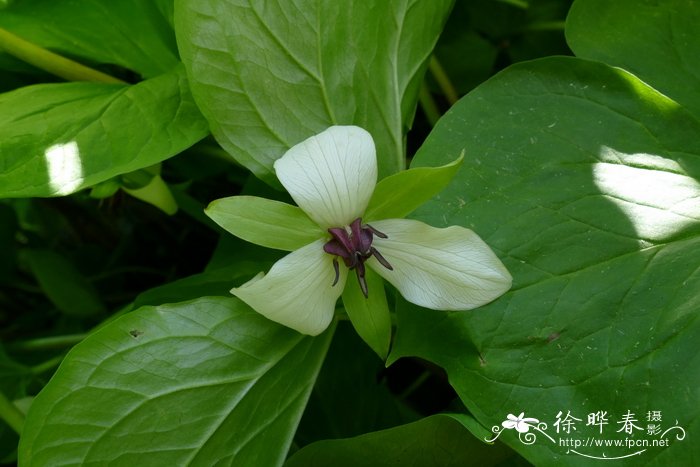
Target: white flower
522,425
332,176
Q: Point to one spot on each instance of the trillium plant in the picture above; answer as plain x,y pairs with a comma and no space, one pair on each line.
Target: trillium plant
331,176
293,233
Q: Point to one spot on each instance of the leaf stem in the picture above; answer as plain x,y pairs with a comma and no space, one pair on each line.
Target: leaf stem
51,62
11,414
48,365
48,343
427,103
443,80
422,378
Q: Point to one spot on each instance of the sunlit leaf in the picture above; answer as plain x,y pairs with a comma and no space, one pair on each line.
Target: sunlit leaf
595,211
58,138
269,75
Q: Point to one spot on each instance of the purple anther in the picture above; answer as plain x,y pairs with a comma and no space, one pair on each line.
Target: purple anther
354,245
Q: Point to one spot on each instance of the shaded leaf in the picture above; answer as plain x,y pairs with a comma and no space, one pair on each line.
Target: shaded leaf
659,42
196,383
135,34
65,286
438,440
369,315
351,396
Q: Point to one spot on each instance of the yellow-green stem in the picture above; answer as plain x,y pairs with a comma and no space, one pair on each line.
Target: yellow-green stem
427,103
11,414
443,80
51,62
48,343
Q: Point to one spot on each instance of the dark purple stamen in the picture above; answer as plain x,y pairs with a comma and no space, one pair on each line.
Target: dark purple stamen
355,248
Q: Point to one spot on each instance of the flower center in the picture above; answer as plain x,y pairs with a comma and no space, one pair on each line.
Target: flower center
354,245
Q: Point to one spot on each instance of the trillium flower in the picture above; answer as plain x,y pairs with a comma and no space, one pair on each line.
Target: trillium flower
331,177
521,424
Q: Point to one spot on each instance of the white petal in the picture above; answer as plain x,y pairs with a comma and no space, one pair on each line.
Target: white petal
331,176
522,427
298,290
442,269
509,424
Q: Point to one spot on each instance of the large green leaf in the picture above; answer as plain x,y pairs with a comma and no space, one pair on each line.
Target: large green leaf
197,383
135,34
585,181
269,74
657,41
436,441
58,138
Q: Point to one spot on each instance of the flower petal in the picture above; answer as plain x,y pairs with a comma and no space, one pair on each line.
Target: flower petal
298,290
509,424
442,269
331,176
522,427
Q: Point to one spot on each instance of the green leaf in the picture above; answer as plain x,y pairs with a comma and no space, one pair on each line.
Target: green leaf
369,316
155,193
659,43
65,286
399,194
215,282
58,138
197,383
268,76
585,181
351,395
134,34
265,222
438,440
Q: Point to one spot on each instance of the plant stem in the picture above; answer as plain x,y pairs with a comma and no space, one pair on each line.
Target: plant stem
48,365
51,62
48,343
428,105
422,378
443,80
546,26
11,414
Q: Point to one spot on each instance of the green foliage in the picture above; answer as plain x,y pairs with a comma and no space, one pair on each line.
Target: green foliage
369,315
58,138
133,34
581,173
659,46
400,194
160,387
271,224
291,69
437,441
69,291
600,234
